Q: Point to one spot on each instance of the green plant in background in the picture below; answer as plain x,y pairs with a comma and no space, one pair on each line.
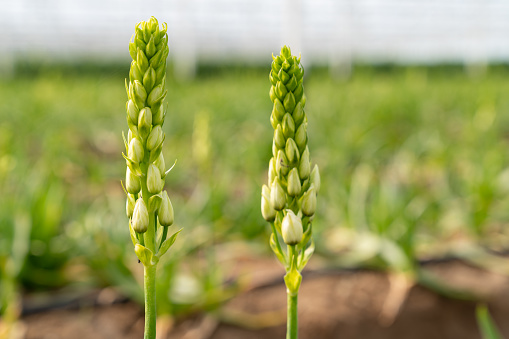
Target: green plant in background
289,200
488,328
148,206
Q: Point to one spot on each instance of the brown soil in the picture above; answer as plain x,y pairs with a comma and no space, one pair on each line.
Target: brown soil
332,304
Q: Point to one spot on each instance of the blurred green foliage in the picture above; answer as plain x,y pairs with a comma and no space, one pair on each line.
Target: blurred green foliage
416,156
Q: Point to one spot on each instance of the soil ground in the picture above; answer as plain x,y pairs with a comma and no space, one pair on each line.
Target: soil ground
332,304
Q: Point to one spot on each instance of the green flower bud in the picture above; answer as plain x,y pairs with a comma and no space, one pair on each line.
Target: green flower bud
315,178
294,184
301,136
145,121
273,120
151,47
299,95
129,206
289,102
154,182
149,79
298,114
292,152
132,112
308,206
278,110
280,90
291,228
277,195
155,138
268,211
160,163
135,73
272,93
165,213
158,114
292,84
139,93
283,76
156,96
132,182
272,170
142,60
288,126
286,65
135,152
279,138
282,165
304,165
140,217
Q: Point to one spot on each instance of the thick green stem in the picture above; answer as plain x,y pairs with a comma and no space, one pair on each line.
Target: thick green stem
291,326
150,302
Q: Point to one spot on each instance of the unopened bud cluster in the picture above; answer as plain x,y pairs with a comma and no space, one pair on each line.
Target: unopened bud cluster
146,171
292,185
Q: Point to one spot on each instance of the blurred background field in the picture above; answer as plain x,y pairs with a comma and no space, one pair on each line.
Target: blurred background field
413,159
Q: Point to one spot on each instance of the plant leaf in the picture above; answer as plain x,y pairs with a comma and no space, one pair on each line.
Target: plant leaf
277,250
144,254
167,243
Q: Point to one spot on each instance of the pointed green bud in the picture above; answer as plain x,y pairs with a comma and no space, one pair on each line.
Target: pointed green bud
140,217
134,72
272,170
286,65
145,120
292,84
268,211
160,163
142,61
308,206
149,79
135,152
282,165
278,110
299,94
277,195
151,47
304,165
154,182
132,112
132,49
129,206
294,184
158,114
292,152
315,178
154,202
273,120
301,136
155,138
280,90
283,76
139,93
156,96
279,138
286,52
272,93
132,182
289,102
291,228
298,114
288,126
165,213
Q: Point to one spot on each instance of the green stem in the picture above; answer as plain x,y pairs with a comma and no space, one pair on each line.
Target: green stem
291,326
150,302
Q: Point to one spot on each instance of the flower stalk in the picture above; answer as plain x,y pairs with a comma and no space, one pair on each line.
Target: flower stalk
148,205
289,198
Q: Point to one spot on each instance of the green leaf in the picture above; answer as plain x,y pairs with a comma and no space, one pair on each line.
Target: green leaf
293,280
167,243
133,234
277,249
144,255
486,324
303,260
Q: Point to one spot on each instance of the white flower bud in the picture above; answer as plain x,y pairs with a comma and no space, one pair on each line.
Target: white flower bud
272,170
268,211
132,112
165,212
145,119
304,165
301,136
155,138
294,184
292,152
308,206
139,92
129,206
154,182
279,138
140,217
132,182
135,152
277,195
291,228
160,163
315,178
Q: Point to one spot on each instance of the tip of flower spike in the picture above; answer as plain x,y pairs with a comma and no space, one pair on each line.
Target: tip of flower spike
286,52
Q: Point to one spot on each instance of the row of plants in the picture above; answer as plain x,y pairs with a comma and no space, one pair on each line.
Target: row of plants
416,172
